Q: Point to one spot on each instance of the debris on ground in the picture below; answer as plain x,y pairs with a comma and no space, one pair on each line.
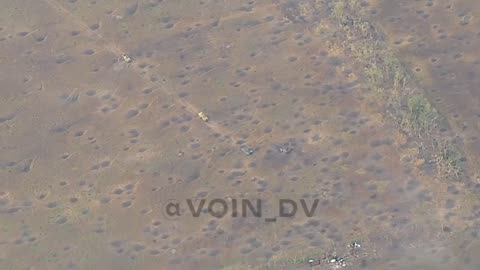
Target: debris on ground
355,245
285,149
247,150
203,116
126,58
337,262
313,262
355,248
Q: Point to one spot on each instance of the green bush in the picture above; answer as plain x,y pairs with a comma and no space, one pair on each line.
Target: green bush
421,117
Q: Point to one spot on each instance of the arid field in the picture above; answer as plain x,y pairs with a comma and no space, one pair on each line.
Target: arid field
123,121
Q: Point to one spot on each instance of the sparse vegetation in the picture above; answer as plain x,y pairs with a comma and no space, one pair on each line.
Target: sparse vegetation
449,160
421,117
307,259
238,267
389,80
284,262
290,262
338,9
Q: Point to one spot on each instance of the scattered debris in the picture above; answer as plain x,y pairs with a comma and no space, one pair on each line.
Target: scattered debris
126,58
203,116
247,150
355,248
337,262
355,245
313,262
285,149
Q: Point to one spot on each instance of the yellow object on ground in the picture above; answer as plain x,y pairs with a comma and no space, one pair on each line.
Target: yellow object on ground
203,116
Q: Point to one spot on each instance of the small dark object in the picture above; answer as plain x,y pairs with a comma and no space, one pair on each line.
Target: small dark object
247,150
355,248
355,245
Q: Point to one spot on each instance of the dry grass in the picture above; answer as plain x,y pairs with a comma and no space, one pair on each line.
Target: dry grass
449,160
393,85
421,118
